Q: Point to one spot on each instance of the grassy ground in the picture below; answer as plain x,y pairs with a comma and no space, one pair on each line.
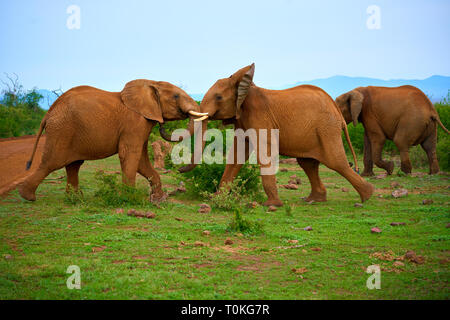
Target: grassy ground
124,257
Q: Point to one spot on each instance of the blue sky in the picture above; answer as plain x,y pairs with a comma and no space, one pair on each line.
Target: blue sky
194,43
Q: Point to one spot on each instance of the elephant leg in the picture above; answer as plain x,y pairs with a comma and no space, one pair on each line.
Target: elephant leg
27,189
377,144
311,168
232,167
403,147
429,145
51,161
72,175
269,183
129,161
146,169
368,162
334,158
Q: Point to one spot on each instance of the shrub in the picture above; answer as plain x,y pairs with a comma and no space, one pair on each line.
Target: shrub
206,178
110,192
240,224
20,113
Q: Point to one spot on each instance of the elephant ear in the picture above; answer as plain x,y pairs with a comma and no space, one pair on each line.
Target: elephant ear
355,102
243,87
142,97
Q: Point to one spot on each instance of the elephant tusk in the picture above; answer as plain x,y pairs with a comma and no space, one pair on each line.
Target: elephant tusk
202,118
198,114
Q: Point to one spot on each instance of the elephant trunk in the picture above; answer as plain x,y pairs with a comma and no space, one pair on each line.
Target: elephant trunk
164,134
192,132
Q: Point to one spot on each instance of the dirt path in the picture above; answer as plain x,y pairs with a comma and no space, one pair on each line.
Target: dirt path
14,154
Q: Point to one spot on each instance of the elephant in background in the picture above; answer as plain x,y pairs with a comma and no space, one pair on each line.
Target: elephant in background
87,123
309,123
402,114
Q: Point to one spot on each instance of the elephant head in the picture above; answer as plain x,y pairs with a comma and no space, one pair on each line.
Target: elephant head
224,99
160,101
350,104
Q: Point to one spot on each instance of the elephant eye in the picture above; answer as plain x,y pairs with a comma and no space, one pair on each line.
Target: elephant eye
177,96
218,97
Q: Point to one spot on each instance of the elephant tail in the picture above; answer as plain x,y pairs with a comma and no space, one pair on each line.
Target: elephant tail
347,137
436,118
41,128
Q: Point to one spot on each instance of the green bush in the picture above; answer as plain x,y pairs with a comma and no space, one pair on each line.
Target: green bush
20,113
240,224
110,192
206,178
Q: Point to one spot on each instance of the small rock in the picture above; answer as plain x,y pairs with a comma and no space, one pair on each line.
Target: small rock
293,241
199,244
294,176
206,233
398,264
412,257
381,176
290,186
299,270
344,190
316,249
375,230
358,205
394,224
140,214
252,205
182,243
308,228
399,193
410,254
240,235
427,201
283,169
120,211
272,209
448,225
204,208
98,249
8,256
395,184
228,242
179,219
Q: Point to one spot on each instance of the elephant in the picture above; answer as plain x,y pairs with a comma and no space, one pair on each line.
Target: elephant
403,114
309,123
86,123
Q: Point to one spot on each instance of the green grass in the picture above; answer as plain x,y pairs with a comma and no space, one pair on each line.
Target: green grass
158,259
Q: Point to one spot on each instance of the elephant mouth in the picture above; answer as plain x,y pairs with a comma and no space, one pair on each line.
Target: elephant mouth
203,116
192,113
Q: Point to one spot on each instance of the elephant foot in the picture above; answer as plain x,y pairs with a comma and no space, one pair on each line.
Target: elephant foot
390,168
367,192
434,171
367,174
274,202
316,197
71,189
158,197
26,193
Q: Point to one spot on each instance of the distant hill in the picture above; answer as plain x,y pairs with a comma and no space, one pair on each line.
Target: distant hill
435,87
